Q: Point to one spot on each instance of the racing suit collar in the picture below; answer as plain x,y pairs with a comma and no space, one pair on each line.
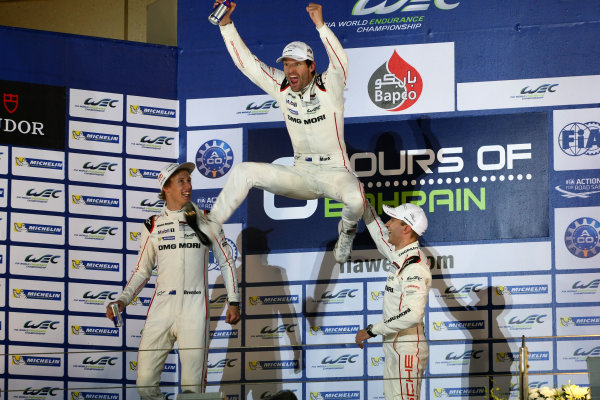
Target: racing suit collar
305,93
408,248
174,215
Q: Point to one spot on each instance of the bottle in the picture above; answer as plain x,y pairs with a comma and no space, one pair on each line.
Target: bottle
118,318
216,16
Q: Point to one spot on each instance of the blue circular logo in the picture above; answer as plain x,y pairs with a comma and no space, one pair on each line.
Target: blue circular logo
577,139
214,158
582,237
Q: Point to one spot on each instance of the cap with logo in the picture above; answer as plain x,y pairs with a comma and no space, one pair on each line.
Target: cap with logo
298,51
410,213
170,169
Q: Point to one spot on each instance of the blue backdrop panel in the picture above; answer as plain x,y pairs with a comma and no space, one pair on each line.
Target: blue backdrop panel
494,40
90,63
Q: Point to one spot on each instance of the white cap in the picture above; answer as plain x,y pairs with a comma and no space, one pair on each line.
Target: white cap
410,213
298,51
170,169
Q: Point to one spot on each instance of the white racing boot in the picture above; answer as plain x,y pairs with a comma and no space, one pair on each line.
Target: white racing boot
343,246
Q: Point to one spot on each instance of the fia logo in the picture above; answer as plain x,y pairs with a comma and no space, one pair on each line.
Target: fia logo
577,139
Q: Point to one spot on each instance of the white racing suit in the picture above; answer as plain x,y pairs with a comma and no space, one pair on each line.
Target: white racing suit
406,291
179,308
315,123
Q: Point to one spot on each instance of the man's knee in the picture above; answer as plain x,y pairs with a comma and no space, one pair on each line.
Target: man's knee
355,203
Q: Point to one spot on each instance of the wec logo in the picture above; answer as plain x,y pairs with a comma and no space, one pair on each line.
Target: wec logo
343,359
45,259
105,360
547,87
223,363
150,203
361,8
158,140
103,166
339,295
468,288
45,391
467,355
104,295
47,324
590,285
283,328
101,103
530,319
54,193
595,352
103,231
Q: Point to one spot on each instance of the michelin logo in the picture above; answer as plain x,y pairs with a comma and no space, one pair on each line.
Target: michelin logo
153,111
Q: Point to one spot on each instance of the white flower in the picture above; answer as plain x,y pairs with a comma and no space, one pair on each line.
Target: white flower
575,392
547,392
534,394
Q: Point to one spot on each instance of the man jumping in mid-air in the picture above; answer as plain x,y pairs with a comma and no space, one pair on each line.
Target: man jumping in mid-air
313,110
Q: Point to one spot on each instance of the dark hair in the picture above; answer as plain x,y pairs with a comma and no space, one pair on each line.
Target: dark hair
308,64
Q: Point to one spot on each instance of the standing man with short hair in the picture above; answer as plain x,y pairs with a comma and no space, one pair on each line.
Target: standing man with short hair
173,243
406,292
313,109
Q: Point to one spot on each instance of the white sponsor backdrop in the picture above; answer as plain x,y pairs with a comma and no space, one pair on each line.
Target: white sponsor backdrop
37,261
96,137
38,163
152,143
42,196
91,168
200,143
152,111
519,93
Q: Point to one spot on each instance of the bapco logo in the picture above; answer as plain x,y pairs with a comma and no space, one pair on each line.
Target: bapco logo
214,158
396,85
582,237
578,139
